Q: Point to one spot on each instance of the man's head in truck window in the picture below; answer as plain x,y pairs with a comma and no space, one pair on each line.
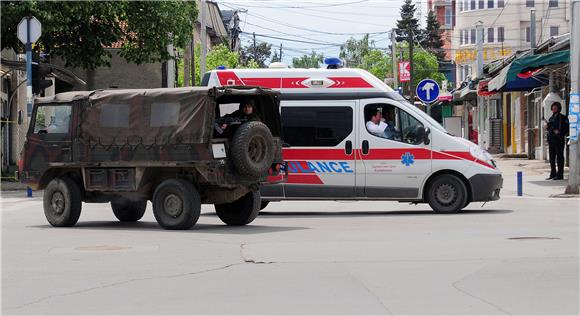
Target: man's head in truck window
248,107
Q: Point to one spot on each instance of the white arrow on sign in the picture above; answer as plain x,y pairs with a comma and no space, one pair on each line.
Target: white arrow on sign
427,88
35,30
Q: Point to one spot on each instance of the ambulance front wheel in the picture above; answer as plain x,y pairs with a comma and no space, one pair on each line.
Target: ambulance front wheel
447,194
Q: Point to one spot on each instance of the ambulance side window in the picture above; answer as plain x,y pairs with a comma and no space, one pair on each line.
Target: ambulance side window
311,126
393,123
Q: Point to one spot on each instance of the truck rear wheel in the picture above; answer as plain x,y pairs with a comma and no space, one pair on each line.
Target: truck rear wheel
447,194
240,212
62,202
176,204
253,149
127,210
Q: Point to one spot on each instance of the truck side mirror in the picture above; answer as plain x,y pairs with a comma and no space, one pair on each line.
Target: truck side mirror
19,119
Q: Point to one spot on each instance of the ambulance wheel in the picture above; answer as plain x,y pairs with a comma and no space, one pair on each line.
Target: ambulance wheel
240,212
62,202
447,194
253,149
176,204
126,210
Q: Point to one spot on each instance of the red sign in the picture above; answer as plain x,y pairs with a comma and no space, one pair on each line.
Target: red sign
404,71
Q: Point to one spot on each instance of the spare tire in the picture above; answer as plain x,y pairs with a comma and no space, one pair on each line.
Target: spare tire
252,149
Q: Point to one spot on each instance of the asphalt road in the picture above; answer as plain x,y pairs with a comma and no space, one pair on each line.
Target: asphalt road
514,256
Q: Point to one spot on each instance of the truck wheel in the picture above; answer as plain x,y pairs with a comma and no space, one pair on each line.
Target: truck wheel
62,202
176,204
240,212
253,149
127,210
447,194
264,204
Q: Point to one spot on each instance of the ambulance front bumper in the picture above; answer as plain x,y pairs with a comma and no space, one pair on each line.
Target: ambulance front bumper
485,187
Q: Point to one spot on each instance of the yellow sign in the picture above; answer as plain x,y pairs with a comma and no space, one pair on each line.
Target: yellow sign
489,53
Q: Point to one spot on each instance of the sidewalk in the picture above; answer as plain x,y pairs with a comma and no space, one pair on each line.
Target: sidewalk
12,186
534,183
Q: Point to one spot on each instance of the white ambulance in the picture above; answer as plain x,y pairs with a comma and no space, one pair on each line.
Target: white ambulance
334,153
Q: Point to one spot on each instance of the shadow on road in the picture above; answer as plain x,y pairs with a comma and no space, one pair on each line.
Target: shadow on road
550,183
198,228
378,213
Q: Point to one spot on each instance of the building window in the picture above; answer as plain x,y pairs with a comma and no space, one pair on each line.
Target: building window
472,4
490,4
490,35
461,37
465,5
465,37
460,6
554,31
528,34
553,4
500,3
472,36
500,34
448,16
481,4
530,3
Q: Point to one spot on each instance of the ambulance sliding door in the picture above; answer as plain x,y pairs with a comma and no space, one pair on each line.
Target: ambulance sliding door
394,163
319,141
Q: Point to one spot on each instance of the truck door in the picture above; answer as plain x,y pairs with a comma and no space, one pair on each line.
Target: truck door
49,138
395,160
319,141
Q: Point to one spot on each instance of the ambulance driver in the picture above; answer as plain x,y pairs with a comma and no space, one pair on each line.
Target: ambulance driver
376,126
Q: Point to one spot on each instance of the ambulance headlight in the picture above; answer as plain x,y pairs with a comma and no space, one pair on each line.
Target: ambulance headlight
482,155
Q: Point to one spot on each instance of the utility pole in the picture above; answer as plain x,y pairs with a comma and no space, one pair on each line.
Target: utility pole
394,58
192,48
479,73
203,38
186,64
280,52
255,53
530,106
574,153
411,44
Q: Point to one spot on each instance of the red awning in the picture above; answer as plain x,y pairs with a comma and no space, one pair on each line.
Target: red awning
482,90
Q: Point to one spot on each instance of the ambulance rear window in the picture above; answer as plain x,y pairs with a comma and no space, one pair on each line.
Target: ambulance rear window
316,126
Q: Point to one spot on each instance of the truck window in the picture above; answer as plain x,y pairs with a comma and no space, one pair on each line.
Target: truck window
390,122
316,126
164,114
52,119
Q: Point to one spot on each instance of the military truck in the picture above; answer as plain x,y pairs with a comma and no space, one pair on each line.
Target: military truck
125,147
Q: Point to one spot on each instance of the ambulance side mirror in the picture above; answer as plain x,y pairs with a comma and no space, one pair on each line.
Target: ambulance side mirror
426,139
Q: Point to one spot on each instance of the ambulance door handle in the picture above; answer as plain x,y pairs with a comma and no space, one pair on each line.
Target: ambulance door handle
348,147
365,147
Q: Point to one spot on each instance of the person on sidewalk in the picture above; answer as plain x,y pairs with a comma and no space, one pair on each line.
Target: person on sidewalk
557,127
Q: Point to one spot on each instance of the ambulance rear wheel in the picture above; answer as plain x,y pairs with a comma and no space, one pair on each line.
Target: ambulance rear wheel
447,194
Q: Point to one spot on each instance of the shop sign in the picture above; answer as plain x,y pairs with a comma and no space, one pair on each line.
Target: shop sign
489,53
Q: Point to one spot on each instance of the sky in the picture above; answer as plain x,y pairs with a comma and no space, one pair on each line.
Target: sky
321,25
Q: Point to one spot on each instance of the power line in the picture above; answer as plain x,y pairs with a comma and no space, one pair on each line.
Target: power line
298,7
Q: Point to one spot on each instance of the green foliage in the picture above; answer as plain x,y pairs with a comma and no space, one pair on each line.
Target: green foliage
425,64
308,61
354,50
432,37
407,22
79,31
378,63
259,56
219,55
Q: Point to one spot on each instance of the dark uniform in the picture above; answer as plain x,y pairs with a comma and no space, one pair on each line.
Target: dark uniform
557,130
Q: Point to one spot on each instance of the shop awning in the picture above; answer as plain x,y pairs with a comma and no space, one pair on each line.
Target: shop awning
510,72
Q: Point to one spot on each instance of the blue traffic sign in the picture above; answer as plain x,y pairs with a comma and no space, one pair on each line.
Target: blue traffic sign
427,90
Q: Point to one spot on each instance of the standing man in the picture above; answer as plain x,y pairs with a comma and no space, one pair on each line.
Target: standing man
557,127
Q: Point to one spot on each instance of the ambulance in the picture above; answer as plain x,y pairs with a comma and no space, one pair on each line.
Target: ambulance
331,153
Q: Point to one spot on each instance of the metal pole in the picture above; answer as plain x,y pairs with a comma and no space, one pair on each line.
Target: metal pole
255,53
280,52
203,38
530,104
394,58
574,153
192,49
532,31
28,69
479,73
411,44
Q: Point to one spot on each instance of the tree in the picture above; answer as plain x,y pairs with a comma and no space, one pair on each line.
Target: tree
260,55
432,38
308,61
407,22
354,50
425,65
80,31
377,63
219,55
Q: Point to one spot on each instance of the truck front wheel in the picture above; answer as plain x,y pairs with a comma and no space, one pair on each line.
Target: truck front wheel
240,212
447,194
127,210
176,204
62,202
